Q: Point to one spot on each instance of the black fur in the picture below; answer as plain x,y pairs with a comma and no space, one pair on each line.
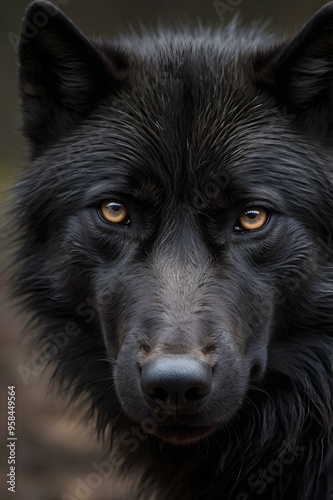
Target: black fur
187,130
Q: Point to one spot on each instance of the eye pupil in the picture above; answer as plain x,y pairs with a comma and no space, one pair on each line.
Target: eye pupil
115,206
252,214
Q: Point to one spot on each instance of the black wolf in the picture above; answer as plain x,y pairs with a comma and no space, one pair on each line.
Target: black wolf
174,222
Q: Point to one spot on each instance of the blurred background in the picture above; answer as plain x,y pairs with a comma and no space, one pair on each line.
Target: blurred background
54,452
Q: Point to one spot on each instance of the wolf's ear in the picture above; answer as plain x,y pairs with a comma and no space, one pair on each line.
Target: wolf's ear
300,74
62,74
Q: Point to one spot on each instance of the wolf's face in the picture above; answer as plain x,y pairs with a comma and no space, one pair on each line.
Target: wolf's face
188,251
188,202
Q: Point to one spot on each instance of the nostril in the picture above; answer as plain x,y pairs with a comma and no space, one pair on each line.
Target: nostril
158,393
196,393
192,394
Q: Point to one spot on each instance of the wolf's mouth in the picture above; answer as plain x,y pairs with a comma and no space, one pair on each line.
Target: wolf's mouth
183,434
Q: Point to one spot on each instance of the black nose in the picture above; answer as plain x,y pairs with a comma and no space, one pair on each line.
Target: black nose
176,383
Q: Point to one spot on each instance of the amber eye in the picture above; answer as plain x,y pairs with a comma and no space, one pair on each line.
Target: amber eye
114,212
252,218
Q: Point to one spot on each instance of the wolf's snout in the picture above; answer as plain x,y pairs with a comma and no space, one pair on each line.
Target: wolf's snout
176,383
